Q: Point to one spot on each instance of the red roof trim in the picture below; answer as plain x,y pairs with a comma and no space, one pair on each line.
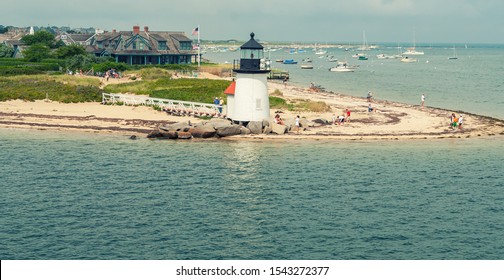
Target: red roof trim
231,89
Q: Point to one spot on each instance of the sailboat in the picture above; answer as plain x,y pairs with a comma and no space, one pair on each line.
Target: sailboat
365,47
454,54
412,50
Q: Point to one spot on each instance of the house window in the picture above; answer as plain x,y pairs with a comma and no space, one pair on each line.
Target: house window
141,45
162,46
133,46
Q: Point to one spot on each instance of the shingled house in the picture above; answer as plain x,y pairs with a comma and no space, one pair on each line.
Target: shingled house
143,47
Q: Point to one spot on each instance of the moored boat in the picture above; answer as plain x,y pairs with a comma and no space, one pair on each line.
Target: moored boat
289,61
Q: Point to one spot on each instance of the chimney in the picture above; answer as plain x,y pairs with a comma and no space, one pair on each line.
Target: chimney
136,29
113,30
146,28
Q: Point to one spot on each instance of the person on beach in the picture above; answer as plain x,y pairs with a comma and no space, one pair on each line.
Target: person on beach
341,120
334,119
347,112
278,120
455,121
297,124
423,100
452,119
285,81
460,121
221,104
370,108
369,96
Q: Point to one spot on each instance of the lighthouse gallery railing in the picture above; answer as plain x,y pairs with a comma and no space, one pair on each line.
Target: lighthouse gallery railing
170,106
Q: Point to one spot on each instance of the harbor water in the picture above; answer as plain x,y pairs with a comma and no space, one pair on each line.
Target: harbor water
471,83
87,196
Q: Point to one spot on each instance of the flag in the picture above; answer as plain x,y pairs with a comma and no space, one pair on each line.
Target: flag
195,31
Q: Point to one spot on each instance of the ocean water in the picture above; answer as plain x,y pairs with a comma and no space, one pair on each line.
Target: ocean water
87,196
472,83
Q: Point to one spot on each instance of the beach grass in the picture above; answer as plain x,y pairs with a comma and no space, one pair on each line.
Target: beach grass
55,88
195,90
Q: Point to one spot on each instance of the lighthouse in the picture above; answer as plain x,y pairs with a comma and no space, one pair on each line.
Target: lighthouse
247,96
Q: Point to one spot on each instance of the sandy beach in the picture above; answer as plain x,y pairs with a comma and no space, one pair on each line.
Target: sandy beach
391,120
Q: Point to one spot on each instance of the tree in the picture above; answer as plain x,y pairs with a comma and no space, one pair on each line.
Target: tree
69,51
40,37
37,52
6,51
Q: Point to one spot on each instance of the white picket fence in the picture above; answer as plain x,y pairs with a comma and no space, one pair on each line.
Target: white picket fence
171,106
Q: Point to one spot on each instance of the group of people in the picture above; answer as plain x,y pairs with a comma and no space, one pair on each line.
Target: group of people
297,122
219,102
341,119
456,122
111,73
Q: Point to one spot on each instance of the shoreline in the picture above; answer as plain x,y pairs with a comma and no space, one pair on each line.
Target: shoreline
392,121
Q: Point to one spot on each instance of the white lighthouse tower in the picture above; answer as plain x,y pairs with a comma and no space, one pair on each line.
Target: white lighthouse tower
249,101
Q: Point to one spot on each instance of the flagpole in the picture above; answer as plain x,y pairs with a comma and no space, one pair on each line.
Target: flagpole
199,55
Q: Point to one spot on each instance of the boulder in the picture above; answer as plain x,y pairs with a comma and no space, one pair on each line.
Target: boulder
265,123
154,134
278,128
168,135
229,130
218,123
255,127
304,123
184,135
176,127
202,132
321,121
267,130
244,130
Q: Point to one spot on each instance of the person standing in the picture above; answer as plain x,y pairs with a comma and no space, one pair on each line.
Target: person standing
460,121
221,104
423,100
297,124
347,111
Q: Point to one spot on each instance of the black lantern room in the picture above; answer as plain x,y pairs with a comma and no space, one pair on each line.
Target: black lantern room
252,57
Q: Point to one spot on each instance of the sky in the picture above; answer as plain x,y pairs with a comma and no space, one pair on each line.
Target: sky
345,21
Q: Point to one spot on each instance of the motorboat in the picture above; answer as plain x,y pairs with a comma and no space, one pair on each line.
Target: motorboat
307,66
341,69
289,61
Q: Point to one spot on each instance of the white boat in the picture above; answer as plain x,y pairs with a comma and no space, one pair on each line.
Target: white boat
408,59
307,66
341,69
412,50
364,46
320,52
